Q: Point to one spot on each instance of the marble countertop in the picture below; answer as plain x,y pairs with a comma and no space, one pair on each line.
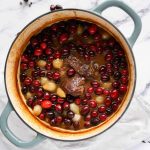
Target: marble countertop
14,17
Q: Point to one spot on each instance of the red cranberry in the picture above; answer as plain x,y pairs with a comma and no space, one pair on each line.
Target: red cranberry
36,83
85,110
123,88
76,125
102,108
28,81
24,66
58,108
30,102
56,75
88,118
70,114
78,101
93,48
67,122
88,95
106,92
87,124
105,77
92,104
37,52
46,95
124,72
95,121
98,91
94,113
114,94
63,37
108,101
46,104
48,51
43,45
59,119
71,72
50,58
114,106
53,98
90,90
95,84
92,29
60,100
109,57
24,59
39,92
124,80
31,64
116,84
42,116
66,106
102,117
32,89
118,100
48,66
84,101
57,55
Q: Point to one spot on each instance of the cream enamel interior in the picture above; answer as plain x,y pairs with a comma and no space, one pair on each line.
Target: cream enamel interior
12,82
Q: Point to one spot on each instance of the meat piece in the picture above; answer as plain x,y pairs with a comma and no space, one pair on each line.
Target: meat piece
73,86
86,70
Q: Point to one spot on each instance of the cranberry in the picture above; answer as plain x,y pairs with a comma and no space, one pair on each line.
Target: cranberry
48,66
37,52
58,7
109,57
88,118
85,110
60,100
95,84
24,66
56,76
111,42
105,77
24,59
52,7
109,111
66,106
114,94
49,75
58,108
94,113
116,84
87,57
42,116
35,73
65,52
70,114
22,76
102,117
42,73
76,125
67,122
46,104
124,72
30,102
48,51
43,45
50,114
87,124
102,108
84,101
92,104
117,75
63,37
53,122
98,91
46,95
71,72
31,64
124,80
118,100
108,101
95,121
39,92
97,37
106,92
88,95
32,89
90,90
70,98
123,88
36,83
78,101
57,55
92,29
59,119
114,106
50,58
28,81
53,98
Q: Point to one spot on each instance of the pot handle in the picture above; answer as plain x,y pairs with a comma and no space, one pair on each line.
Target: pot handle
13,138
136,19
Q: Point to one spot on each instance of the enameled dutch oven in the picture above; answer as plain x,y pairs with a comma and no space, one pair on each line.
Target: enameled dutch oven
16,102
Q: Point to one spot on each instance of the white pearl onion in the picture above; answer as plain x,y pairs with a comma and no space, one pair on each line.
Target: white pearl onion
37,109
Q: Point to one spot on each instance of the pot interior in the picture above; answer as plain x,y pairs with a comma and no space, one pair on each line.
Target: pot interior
12,80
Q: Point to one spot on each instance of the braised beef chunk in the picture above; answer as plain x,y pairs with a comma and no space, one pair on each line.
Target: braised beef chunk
74,85
86,70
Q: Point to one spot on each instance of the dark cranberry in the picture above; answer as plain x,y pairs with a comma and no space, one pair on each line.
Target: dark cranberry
94,113
24,66
109,57
39,101
36,83
88,95
50,58
118,100
92,29
87,124
90,90
57,55
123,88
30,102
123,64
98,91
87,118
95,121
24,59
56,76
65,52
58,108
35,73
48,51
87,57
71,72
24,89
102,117
66,106
22,76
114,106
124,72
114,94
91,53
48,66
42,73
109,111
116,84
60,100
31,64
117,75
52,7
108,101
50,114
97,37
95,84
49,75
92,104
59,120
70,98
39,92
78,101
116,67
53,98
76,125
32,89
124,80
85,110
102,108
46,95
37,52
28,81
34,42
102,69
63,37
58,7
53,122
70,114
67,122
105,77
84,101
106,92
111,42
42,116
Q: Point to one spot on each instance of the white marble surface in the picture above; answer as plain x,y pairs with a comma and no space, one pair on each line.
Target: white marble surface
14,17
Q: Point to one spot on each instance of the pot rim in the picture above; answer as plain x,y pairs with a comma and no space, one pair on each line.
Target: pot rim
135,72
